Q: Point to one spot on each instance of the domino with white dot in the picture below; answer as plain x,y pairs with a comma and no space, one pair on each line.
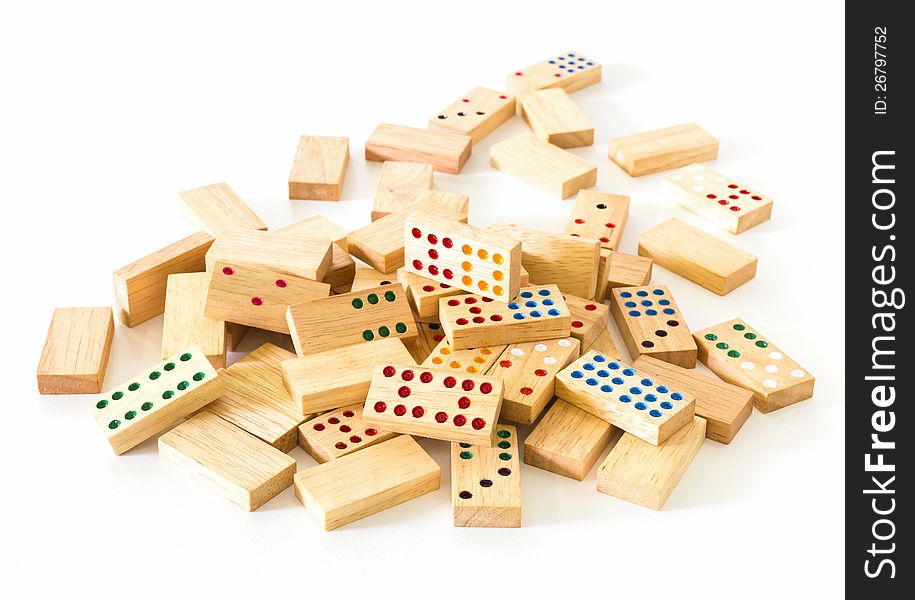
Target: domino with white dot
723,201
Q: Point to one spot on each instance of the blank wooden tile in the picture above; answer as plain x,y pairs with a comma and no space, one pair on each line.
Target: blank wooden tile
317,226
75,353
628,270
555,118
446,152
663,149
342,267
548,167
319,168
397,183
567,441
306,257
216,207
185,324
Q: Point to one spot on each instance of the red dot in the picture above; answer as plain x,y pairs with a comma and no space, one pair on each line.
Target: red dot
319,426
605,240
505,364
579,221
416,233
345,428
447,273
407,375
577,324
433,269
540,372
485,387
464,402
333,420
404,391
467,385
527,391
462,321
733,196
433,239
479,320
470,300
590,307
257,301
744,191
711,196
389,371
228,271
380,407
418,412
476,310
723,202
502,97
478,423
465,100
444,286
735,208
425,377
441,417
348,413
519,73
453,302
428,288
400,410
418,265
485,299
732,186
558,75
610,225
447,243
371,431
281,283
355,439
450,382
437,338
340,446
460,420
495,318
574,235
433,253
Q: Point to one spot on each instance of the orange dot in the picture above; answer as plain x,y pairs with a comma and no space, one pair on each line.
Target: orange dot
466,249
497,258
472,369
479,360
497,290
483,285
455,364
483,254
466,280
467,266
485,351
498,275
445,350
437,360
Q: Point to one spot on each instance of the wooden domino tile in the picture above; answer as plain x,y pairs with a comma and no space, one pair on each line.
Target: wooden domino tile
216,207
663,149
603,268
622,396
429,336
475,321
646,475
397,183
75,353
338,433
184,323
599,216
339,491
367,278
722,201
354,318
698,256
741,355
570,71
475,361
333,378
477,113
567,441
433,403
226,460
257,297
446,152
319,168
725,407
626,270
317,226
461,255
256,400
139,288
155,399
424,294
486,482
554,118
342,267
541,164
305,257
380,244
589,319
652,324
605,345
528,371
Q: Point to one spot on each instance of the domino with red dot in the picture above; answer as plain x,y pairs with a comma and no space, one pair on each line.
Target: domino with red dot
599,216
338,433
570,71
589,319
719,199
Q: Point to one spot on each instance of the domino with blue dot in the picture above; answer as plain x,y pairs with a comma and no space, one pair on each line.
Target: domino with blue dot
652,324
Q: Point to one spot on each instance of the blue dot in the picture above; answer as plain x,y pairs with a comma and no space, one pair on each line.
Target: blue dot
651,312
625,294
591,381
588,366
571,54
552,62
613,365
658,292
669,311
562,58
640,406
650,398
603,373
580,67
647,303
635,390
526,294
618,381
654,413
548,302
544,292
664,302
625,398
513,305
641,293
634,313
536,313
599,358
631,304
530,303
647,382
628,372
676,396
553,312
666,405
606,388
518,316
577,374
590,64
662,389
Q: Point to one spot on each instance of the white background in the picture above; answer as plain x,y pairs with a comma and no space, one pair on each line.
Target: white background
107,111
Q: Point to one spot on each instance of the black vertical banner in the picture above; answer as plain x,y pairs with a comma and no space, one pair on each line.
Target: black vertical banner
879,60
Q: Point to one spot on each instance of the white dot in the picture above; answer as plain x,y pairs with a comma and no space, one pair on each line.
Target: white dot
797,373
771,369
549,360
770,383
698,177
540,347
698,188
721,179
747,365
776,355
517,352
564,343
677,177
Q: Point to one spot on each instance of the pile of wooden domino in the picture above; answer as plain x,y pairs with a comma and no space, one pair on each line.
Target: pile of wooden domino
451,330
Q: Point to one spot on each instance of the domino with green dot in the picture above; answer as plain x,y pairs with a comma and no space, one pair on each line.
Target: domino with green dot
155,399
486,482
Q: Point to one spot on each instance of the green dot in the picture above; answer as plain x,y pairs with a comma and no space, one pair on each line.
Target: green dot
504,433
155,375
390,296
367,335
101,404
133,387
185,357
167,394
466,454
130,415
384,331
739,327
762,344
734,354
722,346
463,445
711,337
169,366
117,395
400,328
505,456
114,424
749,335
372,298
199,376
504,445
357,303
183,385
146,405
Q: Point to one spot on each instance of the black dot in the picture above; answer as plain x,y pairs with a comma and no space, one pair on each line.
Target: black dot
462,114
601,206
465,495
660,333
385,282
673,323
486,482
505,472
442,117
481,113
648,344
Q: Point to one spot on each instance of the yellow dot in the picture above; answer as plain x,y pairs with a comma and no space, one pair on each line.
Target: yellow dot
497,258
497,290
466,249
437,360
466,280
472,369
498,276
483,285
445,350
479,360
482,254
486,351
455,364
467,266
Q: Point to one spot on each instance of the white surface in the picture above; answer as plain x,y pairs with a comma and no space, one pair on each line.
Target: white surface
107,112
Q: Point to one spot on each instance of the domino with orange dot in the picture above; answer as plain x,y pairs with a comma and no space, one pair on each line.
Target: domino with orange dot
429,335
424,294
652,324
570,71
589,319
486,482
722,201
741,355
474,321
599,216
338,433
464,256
623,396
257,297
433,403
528,371
477,113
475,361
